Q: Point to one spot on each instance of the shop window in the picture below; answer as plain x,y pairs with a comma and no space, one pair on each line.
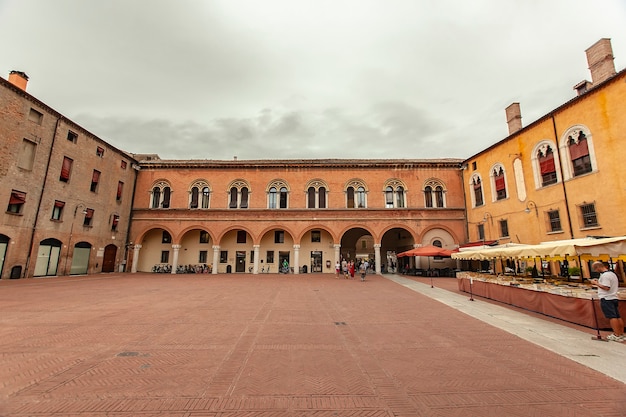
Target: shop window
26,159
588,213
57,210
223,256
16,202
504,228
88,220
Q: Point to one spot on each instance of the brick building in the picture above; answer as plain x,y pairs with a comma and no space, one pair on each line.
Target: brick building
251,216
67,193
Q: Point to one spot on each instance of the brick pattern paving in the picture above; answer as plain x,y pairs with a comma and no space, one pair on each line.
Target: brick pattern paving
271,345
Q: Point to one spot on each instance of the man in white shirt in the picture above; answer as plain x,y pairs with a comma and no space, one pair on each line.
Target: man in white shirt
607,292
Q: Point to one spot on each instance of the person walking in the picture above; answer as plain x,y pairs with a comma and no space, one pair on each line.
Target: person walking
351,269
337,269
607,292
363,270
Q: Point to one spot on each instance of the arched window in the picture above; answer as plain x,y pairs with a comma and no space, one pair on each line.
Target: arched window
498,183
577,143
238,194
437,243
434,193
394,194
476,191
356,194
316,194
278,195
160,197
199,195
545,161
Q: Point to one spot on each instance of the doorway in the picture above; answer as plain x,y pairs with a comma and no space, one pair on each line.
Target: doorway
316,261
240,266
108,263
4,242
47,258
80,258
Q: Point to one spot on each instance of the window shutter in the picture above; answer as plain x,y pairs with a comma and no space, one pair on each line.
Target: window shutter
547,164
17,197
65,169
96,176
89,213
578,150
59,204
120,187
500,183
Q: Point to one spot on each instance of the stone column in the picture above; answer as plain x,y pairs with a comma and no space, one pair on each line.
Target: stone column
216,258
175,258
257,251
337,254
377,257
417,259
133,268
296,259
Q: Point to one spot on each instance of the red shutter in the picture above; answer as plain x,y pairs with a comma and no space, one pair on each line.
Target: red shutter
120,186
547,164
116,220
17,197
59,204
477,185
66,168
500,183
578,150
96,176
89,213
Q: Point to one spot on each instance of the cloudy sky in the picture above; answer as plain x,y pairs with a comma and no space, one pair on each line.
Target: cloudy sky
304,78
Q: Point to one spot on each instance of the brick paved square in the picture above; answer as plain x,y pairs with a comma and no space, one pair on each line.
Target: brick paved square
272,345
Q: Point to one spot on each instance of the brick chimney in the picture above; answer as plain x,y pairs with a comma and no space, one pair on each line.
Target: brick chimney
514,118
600,60
18,79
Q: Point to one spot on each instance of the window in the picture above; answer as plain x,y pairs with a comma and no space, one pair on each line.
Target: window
160,198
87,221
555,221
95,179
279,236
166,237
123,164
272,198
57,210
270,257
360,197
350,197
165,256
283,197
204,236
115,222
66,169
394,194
202,258
547,167
205,197
120,190
474,166
579,152
589,217
241,236
99,151
199,195
437,243
27,155
504,228
238,195
316,236
499,184
321,196
481,232
194,198
364,244
35,116
477,191
223,256
277,194
16,202
72,137
316,194
434,193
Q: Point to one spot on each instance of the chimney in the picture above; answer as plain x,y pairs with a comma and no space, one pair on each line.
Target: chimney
582,87
18,79
514,118
600,60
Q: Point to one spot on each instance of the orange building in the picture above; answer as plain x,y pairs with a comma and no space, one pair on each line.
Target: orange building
254,216
562,176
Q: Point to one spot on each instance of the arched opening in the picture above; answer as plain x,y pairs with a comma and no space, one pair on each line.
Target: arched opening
276,252
196,253
317,252
357,244
236,252
395,241
48,255
156,251
4,243
80,258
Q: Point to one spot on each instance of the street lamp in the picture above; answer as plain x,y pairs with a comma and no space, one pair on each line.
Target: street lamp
69,244
529,205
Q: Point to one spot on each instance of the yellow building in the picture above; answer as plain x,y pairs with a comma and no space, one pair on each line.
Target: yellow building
562,176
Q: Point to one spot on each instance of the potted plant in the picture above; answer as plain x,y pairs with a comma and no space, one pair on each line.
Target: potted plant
574,272
529,270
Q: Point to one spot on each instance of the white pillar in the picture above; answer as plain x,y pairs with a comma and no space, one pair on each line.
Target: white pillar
417,259
175,258
296,259
216,258
133,268
337,254
257,251
377,257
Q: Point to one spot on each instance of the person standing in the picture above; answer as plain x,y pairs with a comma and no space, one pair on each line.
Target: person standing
363,270
607,292
337,269
351,269
344,268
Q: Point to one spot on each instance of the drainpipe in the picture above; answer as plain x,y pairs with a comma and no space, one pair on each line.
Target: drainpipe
130,215
558,152
464,203
43,189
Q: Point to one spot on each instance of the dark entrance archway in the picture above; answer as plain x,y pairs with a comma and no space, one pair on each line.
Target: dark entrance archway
394,241
108,263
357,243
4,243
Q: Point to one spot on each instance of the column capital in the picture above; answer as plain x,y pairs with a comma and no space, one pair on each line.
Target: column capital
256,246
337,245
137,246
377,245
216,247
296,246
176,247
